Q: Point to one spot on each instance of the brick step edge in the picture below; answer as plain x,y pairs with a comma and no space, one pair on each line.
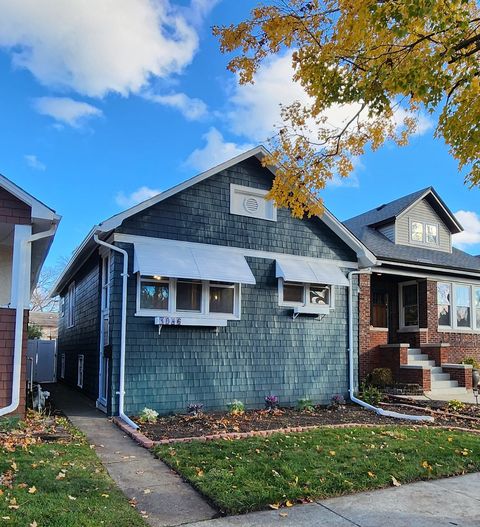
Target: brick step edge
141,439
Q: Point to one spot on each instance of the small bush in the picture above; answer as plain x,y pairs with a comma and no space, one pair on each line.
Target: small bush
305,405
455,406
472,361
236,407
271,402
7,424
381,377
195,408
371,395
337,400
147,415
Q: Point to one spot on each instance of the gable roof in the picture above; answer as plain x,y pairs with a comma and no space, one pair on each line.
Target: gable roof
88,245
364,226
389,212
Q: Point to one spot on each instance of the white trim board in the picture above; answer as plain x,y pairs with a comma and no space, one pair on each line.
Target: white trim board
253,253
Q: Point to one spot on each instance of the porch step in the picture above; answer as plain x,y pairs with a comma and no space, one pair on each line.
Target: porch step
444,385
437,369
414,351
419,356
421,363
438,376
460,390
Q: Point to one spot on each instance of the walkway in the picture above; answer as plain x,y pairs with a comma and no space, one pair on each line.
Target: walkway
166,498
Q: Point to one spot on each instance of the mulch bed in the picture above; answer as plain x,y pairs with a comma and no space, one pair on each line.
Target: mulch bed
213,423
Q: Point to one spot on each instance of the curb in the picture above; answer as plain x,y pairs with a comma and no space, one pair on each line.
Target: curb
141,439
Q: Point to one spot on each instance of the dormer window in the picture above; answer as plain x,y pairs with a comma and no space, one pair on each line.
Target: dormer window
417,231
432,234
426,233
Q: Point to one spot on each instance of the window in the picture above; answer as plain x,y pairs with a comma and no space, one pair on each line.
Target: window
105,322
444,304
187,298
62,306
70,305
81,360
417,231
222,298
154,295
379,310
409,312
189,295
313,295
463,305
431,234
477,307
62,366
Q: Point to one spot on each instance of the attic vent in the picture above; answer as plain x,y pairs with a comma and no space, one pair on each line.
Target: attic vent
251,204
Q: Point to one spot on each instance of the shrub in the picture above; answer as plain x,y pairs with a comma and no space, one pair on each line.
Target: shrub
472,361
195,408
271,402
34,331
381,377
337,400
305,405
455,406
147,415
371,395
236,407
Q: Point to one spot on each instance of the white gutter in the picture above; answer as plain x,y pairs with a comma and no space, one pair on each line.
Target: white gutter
351,388
123,330
21,300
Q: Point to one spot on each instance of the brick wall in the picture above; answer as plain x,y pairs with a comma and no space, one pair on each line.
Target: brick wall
7,337
12,210
462,344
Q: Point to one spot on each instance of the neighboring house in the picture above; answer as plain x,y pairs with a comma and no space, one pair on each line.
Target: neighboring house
27,229
47,322
226,298
420,307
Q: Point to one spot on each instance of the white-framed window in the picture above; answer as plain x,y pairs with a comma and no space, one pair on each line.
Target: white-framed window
408,304
252,202
62,366
61,306
424,233
80,366
70,305
106,286
182,297
294,294
458,306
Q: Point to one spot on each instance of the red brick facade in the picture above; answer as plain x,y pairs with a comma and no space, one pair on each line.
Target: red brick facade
7,338
12,210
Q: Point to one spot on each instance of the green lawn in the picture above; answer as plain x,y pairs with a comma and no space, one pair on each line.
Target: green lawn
251,474
60,485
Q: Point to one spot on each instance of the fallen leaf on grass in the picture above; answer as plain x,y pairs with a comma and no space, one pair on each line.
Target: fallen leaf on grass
274,506
371,474
332,452
73,498
395,481
288,503
32,490
34,524
105,495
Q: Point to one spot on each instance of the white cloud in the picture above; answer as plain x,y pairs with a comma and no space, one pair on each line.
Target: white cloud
215,151
256,108
137,196
192,109
470,221
99,47
65,110
33,162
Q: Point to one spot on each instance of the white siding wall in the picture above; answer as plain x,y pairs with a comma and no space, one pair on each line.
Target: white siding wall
422,211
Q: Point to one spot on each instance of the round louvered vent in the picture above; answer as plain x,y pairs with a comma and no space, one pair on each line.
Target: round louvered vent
251,205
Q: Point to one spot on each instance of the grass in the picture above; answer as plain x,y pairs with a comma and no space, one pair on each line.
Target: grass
250,474
60,485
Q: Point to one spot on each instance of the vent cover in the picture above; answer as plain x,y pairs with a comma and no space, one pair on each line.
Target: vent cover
251,204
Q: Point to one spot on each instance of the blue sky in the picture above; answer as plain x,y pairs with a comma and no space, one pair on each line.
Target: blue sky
100,108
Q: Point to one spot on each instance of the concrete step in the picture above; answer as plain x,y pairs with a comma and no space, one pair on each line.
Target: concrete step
438,376
414,351
421,363
437,369
419,356
460,390
444,385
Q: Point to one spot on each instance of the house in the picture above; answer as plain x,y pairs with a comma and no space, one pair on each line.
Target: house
420,306
27,229
207,293
47,321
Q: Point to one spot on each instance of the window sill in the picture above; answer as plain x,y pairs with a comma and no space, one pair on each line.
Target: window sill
309,310
192,321
458,330
412,329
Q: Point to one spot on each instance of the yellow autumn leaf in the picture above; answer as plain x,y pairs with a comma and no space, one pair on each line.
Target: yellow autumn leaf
332,452
395,482
32,490
371,474
288,503
274,506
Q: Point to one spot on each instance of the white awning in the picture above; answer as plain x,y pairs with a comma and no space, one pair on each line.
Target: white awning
310,272
165,258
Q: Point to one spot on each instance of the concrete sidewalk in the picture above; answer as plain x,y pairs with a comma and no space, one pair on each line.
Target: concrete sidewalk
445,502
166,498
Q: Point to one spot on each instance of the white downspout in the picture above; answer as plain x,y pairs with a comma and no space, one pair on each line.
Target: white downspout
351,383
123,330
21,300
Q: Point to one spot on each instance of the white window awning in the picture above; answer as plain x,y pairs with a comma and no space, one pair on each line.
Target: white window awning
164,258
310,272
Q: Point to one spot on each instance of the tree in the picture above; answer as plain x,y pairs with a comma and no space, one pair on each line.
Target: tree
41,300
385,60
34,331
